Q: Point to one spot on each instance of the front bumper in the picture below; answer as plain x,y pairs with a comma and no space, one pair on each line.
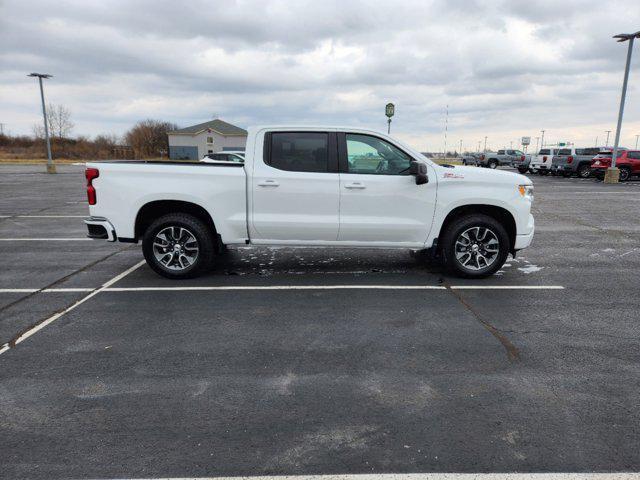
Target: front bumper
524,240
100,228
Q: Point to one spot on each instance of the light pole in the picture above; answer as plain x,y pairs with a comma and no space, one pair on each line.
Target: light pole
613,174
606,142
542,139
460,147
637,141
389,110
485,144
479,143
537,140
51,168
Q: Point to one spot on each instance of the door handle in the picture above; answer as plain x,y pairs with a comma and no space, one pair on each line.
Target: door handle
355,185
268,183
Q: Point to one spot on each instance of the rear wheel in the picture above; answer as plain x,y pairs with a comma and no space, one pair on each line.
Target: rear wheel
493,164
625,173
584,170
178,245
523,170
544,172
475,246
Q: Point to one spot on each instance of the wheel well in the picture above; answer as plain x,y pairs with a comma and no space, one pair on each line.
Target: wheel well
152,210
500,214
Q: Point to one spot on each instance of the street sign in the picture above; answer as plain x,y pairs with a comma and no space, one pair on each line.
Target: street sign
389,110
526,141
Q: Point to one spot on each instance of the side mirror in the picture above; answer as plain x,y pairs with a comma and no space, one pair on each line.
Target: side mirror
419,170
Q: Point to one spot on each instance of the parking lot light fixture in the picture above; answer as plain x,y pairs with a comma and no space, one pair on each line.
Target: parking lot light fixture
606,142
612,174
51,168
542,139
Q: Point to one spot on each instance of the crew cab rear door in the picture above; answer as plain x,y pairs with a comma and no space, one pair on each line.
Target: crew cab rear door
380,202
295,188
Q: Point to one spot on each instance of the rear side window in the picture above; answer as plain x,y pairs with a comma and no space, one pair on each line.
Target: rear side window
564,151
500,152
544,151
634,155
299,151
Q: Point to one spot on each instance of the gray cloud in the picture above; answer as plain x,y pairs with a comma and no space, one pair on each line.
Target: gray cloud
505,68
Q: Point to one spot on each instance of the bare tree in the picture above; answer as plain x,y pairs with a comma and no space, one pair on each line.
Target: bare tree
148,137
38,131
59,118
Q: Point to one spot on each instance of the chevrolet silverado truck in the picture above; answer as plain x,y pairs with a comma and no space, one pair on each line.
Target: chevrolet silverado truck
306,186
512,158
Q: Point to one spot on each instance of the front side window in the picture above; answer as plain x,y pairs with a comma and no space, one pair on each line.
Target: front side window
500,152
299,151
374,156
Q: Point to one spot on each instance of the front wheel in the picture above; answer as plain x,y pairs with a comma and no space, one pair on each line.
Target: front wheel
178,245
475,246
523,170
493,164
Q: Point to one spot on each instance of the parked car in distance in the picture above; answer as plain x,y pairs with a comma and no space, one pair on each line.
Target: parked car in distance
521,162
541,163
470,159
312,186
576,161
230,156
628,162
501,158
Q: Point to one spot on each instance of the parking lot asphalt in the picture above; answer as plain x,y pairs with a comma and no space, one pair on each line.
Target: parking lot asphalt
287,361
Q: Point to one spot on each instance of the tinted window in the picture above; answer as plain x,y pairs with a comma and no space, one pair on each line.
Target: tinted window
371,155
591,151
299,151
634,155
564,151
500,152
544,151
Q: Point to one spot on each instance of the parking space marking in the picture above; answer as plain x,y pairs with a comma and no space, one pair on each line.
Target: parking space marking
285,287
36,328
429,476
507,287
43,216
74,239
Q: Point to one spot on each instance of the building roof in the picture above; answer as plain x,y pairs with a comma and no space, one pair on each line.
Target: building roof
217,125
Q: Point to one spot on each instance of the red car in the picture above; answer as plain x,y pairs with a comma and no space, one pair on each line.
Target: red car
628,162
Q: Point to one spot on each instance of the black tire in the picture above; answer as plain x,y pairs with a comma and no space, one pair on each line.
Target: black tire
625,174
493,164
454,233
543,172
202,235
566,174
523,170
584,170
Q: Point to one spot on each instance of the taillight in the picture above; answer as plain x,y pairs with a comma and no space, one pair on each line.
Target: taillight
481,157
90,174
570,159
522,158
544,159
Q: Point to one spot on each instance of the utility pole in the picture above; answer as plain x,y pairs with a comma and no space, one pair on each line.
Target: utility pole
446,128
479,143
637,141
606,142
542,139
460,152
537,140
612,174
51,168
485,144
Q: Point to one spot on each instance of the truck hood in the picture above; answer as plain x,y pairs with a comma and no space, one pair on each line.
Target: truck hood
483,175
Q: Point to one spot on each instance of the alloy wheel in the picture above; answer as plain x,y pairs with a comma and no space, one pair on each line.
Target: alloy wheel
477,248
176,248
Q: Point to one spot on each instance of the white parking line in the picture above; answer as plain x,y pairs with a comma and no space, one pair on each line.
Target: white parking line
431,476
56,316
198,288
43,216
73,239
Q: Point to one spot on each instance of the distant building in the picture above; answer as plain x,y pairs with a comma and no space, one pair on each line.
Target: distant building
193,143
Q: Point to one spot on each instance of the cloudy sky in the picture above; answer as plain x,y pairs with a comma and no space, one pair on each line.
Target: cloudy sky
505,68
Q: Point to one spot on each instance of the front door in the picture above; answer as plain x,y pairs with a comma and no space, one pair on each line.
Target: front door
380,202
295,189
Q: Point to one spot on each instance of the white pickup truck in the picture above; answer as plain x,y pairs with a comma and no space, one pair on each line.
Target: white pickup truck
311,186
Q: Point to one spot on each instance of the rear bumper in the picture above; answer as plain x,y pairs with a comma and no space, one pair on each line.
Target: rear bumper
525,239
100,228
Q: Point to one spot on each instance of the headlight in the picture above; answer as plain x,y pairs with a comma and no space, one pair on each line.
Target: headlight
526,191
